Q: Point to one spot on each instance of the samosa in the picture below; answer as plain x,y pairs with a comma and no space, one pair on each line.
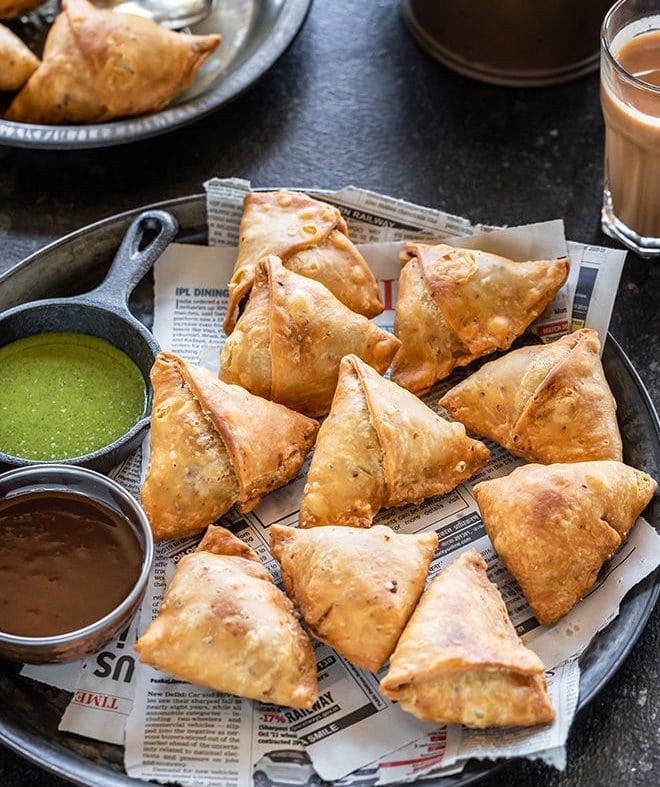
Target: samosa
546,403
212,446
11,8
459,659
225,624
100,64
355,589
555,525
17,61
289,341
311,238
381,447
456,305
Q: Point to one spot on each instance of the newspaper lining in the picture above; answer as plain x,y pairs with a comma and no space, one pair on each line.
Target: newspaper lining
193,735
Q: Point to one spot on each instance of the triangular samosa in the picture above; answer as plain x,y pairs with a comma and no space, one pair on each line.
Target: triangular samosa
311,238
456,305
212,446
554,526
380,447
11,8
289,341
17,61
459,659
225,624
546,403
355,589
100,64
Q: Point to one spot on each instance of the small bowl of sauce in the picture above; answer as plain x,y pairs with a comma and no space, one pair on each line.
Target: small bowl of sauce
76,554
65,395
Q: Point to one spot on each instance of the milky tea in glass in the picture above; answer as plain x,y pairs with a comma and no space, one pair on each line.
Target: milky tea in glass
630,99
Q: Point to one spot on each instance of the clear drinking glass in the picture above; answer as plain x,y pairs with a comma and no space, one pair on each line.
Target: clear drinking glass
630,100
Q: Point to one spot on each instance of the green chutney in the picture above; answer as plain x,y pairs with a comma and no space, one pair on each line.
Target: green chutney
64,395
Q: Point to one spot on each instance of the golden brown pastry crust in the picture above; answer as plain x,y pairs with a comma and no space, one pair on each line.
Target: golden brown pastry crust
17,62
554,526
11,8
311,239
99,64
289,341
456,305
459,659
355,589
212,446
223,623
189,481
380,447
220,541
545,403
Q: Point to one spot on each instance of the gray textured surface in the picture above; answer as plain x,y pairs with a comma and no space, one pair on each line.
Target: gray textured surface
355,101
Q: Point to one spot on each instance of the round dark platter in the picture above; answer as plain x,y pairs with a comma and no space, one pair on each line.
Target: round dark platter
30,712
256,33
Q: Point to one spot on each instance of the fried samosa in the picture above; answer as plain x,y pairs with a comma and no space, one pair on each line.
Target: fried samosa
212,446
99,65
223,623
381,447
289,341
456,305
311,238
546,403
17,62
11,8
554,526
459,659
355,589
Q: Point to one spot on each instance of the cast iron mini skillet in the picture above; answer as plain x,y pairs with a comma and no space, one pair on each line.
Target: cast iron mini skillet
104,313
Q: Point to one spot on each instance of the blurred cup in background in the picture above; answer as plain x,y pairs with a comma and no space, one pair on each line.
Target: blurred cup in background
630,99
523,43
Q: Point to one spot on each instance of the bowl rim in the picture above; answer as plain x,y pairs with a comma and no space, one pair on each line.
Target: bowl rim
122,445
81,473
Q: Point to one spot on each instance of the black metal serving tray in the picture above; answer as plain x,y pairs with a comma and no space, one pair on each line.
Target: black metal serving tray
30,712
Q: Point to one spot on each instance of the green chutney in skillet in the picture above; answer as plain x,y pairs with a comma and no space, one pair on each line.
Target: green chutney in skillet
64,395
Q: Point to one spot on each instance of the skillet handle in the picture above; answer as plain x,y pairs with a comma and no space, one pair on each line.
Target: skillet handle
131,262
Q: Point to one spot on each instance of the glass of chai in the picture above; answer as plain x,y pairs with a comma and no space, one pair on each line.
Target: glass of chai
630,99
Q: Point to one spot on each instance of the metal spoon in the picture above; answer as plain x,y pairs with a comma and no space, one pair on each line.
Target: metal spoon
173,14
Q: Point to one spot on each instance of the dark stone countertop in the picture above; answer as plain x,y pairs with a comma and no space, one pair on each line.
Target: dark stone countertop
355,101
